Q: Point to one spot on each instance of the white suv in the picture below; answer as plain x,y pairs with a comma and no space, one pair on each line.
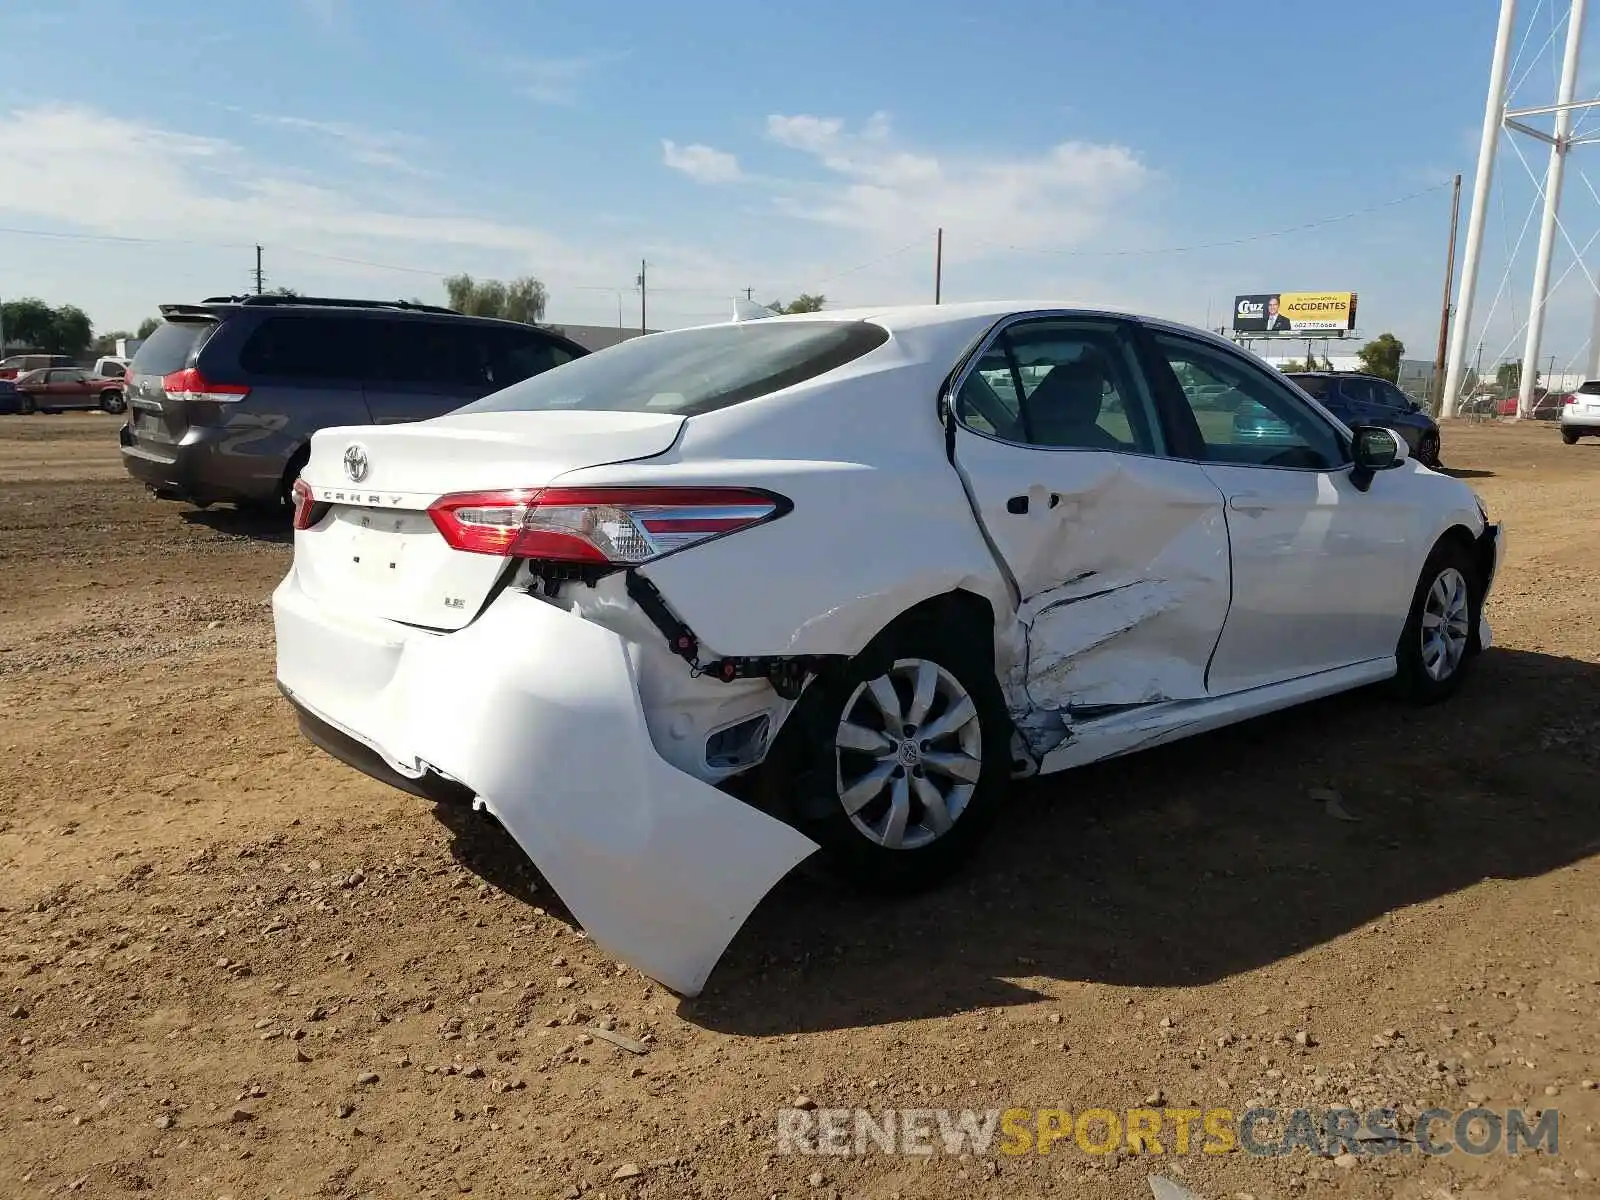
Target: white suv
1580,414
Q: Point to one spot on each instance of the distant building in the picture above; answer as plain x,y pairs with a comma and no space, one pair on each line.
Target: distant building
596,337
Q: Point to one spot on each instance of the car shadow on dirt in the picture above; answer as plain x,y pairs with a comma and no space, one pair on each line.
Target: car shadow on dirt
1465,473
258,524
1180,866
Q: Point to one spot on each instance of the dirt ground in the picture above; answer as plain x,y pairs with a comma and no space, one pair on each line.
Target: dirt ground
231,966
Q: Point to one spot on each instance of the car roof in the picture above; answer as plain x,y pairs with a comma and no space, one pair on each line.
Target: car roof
931,318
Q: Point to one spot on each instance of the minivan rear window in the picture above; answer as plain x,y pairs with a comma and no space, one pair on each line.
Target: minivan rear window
171,346
1590,387
692,371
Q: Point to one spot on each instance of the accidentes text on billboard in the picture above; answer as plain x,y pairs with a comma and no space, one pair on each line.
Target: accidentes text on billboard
1295,312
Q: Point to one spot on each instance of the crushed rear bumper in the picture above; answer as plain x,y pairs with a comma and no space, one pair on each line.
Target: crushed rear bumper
536,712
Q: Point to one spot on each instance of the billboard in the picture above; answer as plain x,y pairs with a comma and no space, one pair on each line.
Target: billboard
1295,312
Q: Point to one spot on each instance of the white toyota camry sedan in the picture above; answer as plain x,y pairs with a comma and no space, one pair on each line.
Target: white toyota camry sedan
878,562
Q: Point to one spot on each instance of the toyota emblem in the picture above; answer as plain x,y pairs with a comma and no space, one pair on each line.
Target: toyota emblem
355,462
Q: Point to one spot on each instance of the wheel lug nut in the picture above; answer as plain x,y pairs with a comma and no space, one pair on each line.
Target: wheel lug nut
910,730
924,747
916,772
899,772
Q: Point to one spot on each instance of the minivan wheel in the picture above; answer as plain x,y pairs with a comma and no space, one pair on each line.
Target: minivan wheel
1437,642
896,764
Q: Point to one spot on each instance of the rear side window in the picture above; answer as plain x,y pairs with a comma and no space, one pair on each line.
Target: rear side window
692,371
307,346
432,354
1590,387
112,370
1312,385
171,347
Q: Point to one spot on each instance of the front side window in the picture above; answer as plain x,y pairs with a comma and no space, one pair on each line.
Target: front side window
692,371
112,370
1266,425
1059,385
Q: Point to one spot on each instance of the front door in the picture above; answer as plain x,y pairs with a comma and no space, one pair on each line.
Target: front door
1119,554
1322,571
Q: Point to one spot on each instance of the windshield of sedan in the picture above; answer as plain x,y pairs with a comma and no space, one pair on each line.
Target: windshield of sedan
691,371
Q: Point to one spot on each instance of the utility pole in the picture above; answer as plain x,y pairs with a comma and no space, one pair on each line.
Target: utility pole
1559,146
1493,113
258,271
1444,312
642,325
750,293
938,263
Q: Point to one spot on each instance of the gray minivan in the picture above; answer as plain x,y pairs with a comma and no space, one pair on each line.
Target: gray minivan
224,396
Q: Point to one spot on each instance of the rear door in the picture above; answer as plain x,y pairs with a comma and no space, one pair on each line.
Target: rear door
1119,554
155,423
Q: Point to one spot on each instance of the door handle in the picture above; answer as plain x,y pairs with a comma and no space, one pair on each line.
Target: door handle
1249,502
1018,506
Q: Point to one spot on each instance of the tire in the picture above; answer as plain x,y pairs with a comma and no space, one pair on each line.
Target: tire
1428,449
112,402
26,406
1569,437
809,774
1449,594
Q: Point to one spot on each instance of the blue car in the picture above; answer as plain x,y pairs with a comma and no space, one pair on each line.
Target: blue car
10,397
1358,399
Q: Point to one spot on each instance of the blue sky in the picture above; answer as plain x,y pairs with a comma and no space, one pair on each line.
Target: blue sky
789,147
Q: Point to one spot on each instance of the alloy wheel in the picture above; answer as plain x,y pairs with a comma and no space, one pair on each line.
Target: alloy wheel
1446,620
909,754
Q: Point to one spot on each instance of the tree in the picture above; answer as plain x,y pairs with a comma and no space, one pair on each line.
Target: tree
288,292
33,323
148,326
522,299
1382,356
803,303
1508,377
106,343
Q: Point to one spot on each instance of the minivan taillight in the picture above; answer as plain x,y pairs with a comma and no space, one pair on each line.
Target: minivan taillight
189,384
611,526
1570,398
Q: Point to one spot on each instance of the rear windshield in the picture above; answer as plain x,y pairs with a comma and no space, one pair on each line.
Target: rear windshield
1590,387
169,348
692,371
1314,385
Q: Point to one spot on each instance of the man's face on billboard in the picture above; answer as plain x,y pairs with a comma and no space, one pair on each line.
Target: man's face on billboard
1272,308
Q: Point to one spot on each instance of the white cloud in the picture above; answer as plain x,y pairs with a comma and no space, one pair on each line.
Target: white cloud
1053,199
391,151
701,163
556,80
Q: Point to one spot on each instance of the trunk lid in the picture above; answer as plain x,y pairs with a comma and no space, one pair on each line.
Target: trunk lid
375,549
154,418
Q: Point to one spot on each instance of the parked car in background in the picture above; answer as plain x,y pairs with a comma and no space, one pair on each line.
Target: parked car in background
879,562
57,389
10,397
1358,399
19,364
1580,412
225,394
110,367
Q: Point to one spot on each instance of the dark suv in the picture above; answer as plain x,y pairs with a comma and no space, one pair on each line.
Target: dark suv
1369,400
224,396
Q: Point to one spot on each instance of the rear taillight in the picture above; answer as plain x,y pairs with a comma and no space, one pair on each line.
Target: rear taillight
606,526
1570,398
305,504
188,384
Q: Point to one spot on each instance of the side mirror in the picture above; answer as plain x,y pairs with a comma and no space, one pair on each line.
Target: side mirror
1375,449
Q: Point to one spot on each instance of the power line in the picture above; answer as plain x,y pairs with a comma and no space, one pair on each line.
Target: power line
1238,241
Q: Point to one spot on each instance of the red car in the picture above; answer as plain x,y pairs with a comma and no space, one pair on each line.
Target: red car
58,388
